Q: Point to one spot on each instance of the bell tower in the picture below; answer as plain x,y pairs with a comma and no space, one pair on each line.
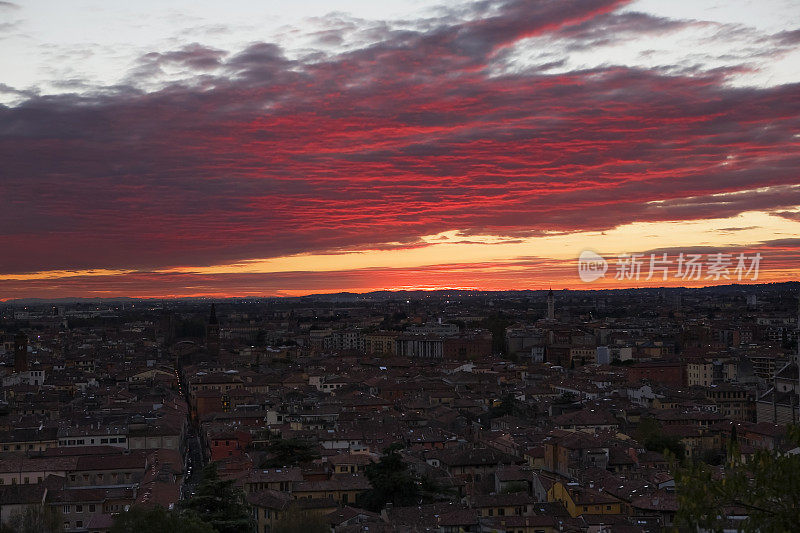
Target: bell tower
20,353
212,333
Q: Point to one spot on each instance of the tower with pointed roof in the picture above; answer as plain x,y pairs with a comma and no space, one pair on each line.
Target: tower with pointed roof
212,333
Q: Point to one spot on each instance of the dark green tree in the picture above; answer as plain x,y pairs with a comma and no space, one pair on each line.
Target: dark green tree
766,488
35,519
391,481
652,437
566,397
497,325
157,520
288,452
219,503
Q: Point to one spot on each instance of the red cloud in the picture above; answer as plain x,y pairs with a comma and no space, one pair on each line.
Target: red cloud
413,135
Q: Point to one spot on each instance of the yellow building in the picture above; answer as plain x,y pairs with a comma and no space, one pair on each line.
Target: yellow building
700,373
270,507
380,343
342,489
520,524
580,500
503,504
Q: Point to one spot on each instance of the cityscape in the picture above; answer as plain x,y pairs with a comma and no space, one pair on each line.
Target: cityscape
505,411
424,266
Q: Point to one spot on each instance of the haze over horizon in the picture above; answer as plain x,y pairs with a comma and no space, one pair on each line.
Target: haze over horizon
197,149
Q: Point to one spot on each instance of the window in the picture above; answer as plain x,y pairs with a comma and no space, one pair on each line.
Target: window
91,507
79,508
608,507
67,509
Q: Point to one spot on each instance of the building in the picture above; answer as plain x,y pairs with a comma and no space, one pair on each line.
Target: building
423,346
380,342
661,372
212,334
585,500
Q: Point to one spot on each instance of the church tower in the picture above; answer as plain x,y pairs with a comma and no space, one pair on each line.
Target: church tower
212,333
20,353
551,313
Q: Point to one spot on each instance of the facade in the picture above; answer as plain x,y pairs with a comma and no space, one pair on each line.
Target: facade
581,501
661,372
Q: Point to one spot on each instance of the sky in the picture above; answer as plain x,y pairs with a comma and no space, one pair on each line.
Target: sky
254,148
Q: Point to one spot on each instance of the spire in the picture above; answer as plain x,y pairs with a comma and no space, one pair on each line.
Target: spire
213,318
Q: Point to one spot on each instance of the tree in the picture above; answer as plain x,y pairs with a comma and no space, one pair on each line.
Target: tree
652,437
156,520
35,519
391,482
219,503
497,324
515,486
288,452
295,520
766,488
566,397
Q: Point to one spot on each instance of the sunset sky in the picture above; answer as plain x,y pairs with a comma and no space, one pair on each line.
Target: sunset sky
242,148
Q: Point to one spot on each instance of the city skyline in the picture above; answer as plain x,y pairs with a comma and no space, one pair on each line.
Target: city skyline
193,150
